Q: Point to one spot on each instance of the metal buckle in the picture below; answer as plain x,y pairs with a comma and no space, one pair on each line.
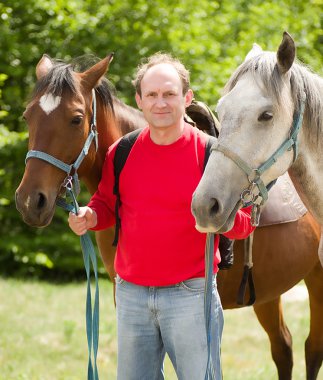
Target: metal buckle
94,133
256,176
247,196
68,182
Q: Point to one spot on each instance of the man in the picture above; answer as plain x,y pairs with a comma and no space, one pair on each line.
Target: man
160,254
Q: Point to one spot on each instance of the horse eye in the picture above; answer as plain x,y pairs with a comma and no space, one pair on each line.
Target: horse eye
77,120
265,116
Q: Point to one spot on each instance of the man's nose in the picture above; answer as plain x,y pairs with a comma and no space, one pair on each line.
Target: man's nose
161,102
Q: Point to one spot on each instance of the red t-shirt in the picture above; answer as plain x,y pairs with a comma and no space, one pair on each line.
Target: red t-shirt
158,243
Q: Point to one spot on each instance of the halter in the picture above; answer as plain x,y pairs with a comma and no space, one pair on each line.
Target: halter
247,196
71,170
89,255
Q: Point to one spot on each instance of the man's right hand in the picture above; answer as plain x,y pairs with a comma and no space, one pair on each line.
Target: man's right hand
84,220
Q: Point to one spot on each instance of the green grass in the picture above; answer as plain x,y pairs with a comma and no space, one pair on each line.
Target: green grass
42,335
246,347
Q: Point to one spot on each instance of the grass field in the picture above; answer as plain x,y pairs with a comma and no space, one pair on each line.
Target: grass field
42,335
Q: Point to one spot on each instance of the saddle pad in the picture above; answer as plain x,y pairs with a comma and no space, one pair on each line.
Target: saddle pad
283,204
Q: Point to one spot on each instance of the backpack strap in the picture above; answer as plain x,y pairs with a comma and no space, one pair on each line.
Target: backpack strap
121,154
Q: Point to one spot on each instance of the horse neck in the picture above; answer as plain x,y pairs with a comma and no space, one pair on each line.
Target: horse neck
111,125
306,174
128,118
307,170
309,192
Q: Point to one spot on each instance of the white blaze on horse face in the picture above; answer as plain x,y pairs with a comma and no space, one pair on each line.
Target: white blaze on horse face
49,102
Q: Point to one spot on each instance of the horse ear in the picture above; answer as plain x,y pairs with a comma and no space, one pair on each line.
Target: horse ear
43,66
256,50
286,53
92,76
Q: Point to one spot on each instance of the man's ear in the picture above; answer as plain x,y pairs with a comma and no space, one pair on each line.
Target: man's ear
138,100
189,97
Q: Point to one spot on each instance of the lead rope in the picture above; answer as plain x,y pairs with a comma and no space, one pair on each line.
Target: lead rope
89,256
92,320
209,261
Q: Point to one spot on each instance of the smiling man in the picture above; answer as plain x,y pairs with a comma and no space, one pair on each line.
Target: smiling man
163,103
160,254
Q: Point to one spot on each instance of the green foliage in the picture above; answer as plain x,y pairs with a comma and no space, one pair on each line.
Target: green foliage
210,37
25,250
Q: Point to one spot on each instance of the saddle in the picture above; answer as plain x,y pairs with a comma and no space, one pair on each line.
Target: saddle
283,205
198,113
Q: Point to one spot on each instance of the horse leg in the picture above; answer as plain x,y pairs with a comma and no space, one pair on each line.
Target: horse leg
314,341
270,316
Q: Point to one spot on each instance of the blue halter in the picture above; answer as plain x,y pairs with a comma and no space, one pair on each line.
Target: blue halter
247,196
89,256
71,170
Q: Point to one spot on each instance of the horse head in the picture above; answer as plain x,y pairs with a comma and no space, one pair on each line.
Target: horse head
59,118
256,114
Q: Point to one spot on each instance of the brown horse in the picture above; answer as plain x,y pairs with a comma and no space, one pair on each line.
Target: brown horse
283,254
58,118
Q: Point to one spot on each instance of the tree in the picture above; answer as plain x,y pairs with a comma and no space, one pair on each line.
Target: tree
210,37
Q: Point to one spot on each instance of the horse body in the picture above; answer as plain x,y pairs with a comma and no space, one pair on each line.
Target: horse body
281,262
59,125
283,254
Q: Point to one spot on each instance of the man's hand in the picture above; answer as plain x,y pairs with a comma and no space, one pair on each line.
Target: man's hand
84,220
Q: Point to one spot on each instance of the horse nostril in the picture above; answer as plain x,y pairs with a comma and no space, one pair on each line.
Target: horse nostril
214,209
41,201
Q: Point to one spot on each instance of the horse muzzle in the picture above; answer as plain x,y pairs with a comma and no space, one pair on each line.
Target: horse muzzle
210,215
36,208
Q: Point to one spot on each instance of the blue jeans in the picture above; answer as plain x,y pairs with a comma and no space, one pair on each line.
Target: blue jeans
153,321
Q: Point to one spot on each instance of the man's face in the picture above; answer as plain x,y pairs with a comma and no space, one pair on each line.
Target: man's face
162,100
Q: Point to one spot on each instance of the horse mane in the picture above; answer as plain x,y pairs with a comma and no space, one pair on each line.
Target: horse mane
60,77
264,68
